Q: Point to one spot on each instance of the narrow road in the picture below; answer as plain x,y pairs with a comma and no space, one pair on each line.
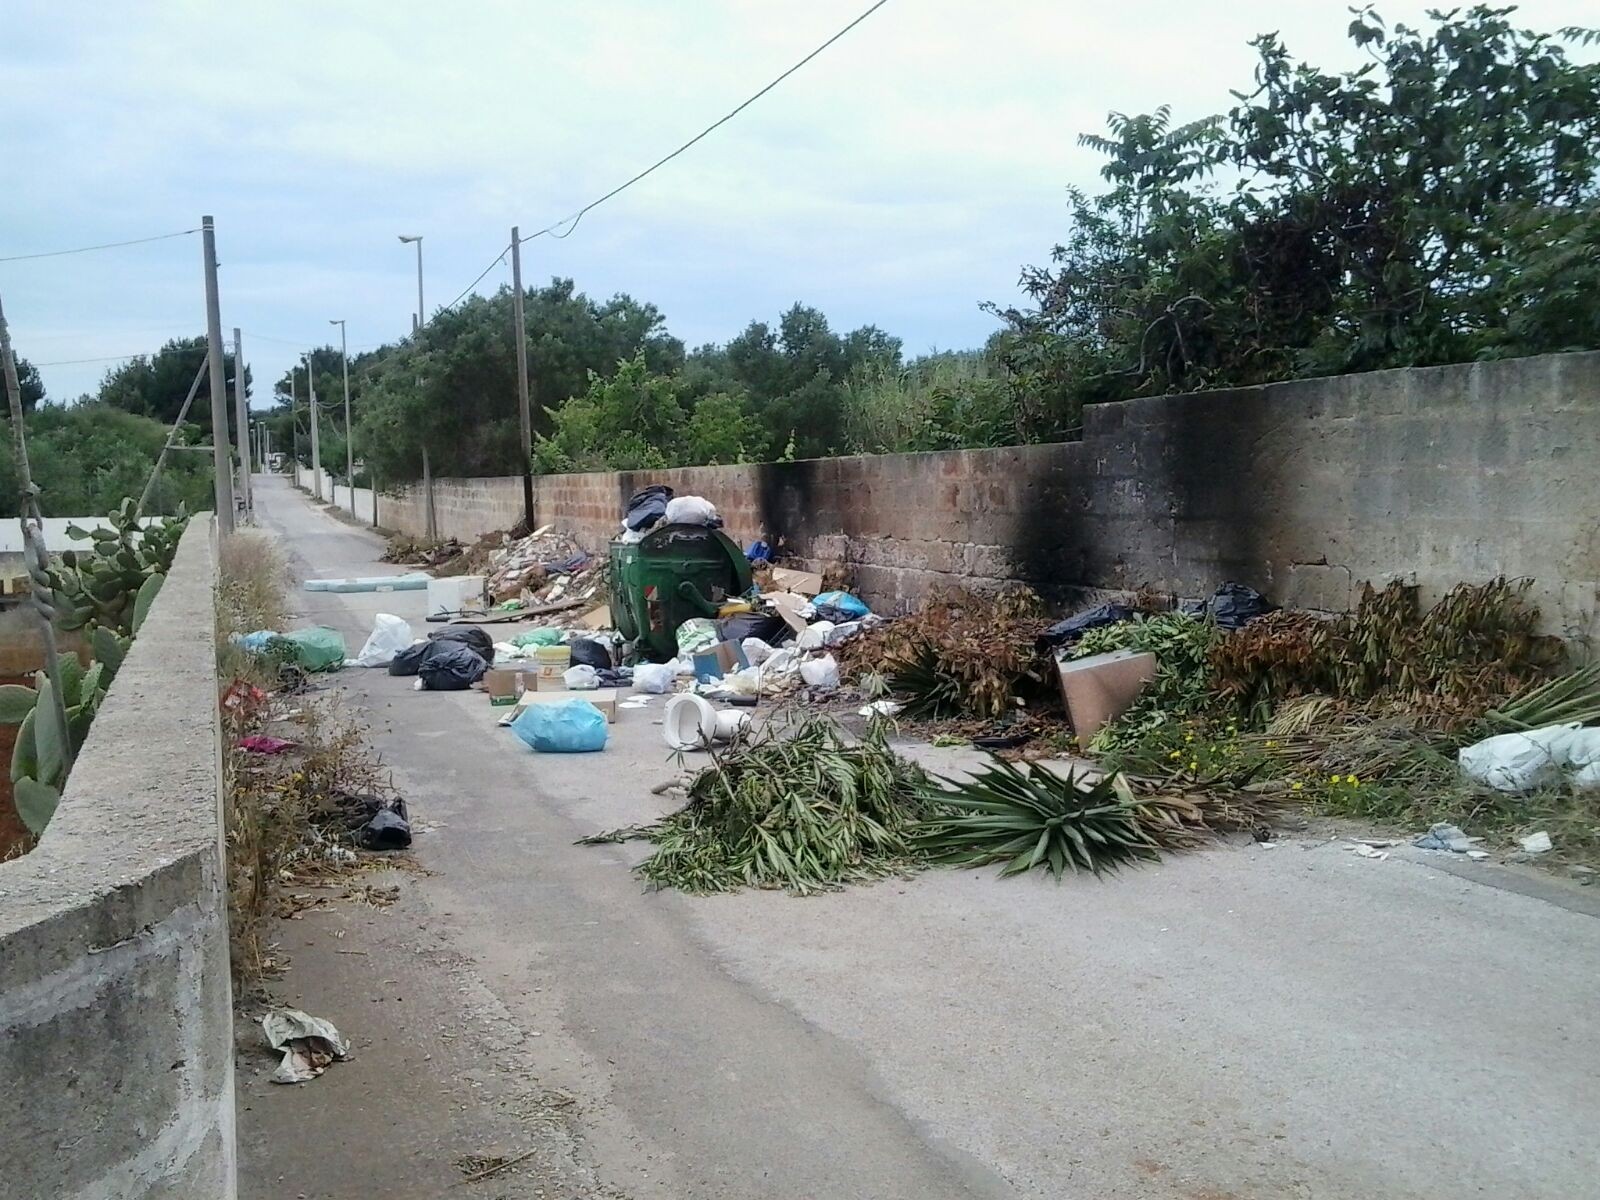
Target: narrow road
1240,1023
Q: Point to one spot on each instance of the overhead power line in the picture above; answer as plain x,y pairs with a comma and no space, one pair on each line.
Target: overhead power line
572,221
160,237
498,259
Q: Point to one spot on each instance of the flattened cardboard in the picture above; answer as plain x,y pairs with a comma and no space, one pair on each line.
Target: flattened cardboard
605,699
1099,689
719,660
787,606
596,618
806,583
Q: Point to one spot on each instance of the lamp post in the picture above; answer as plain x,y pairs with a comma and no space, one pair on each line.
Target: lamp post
349,446
421,312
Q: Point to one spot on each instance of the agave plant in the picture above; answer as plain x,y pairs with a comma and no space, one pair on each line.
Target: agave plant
40,755
926,692
1034,819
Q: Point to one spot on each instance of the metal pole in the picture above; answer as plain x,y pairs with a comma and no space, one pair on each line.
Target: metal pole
241,415
172,436
294,431
349,446
316,443
525,450
221,460
422,313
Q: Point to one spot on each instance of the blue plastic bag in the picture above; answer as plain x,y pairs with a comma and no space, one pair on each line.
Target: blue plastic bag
571,727
844,602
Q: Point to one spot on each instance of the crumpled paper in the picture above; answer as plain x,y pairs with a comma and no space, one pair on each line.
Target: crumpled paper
308,1043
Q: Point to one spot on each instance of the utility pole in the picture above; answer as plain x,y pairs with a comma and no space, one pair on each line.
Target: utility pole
316,444
221,459
241,416
349,446
294,430
431,525
524,411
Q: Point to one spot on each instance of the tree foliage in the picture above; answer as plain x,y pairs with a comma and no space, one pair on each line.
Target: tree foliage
155,385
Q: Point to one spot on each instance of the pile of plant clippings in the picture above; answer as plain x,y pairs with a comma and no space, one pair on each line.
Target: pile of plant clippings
413,551
804,811
1474,648
1182,685
961,654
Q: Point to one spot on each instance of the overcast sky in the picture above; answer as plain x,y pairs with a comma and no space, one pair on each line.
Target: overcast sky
898,180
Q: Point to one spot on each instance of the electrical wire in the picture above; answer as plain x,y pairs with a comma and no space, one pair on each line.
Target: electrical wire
73,362
160,237
572,221
498,259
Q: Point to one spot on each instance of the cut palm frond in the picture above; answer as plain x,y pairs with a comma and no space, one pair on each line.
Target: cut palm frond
1033,819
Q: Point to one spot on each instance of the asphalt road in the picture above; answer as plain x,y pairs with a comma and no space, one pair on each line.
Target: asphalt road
1244,1023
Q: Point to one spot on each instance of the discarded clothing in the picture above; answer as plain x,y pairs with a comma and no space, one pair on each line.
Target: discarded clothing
647,507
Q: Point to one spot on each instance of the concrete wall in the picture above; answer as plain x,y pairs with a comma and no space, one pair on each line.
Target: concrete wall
116,1016
338,493
1304,490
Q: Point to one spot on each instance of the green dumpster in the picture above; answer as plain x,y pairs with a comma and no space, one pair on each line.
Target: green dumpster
677,572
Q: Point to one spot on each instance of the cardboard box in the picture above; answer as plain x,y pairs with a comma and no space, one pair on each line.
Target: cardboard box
605,699
722,659
787,606
456,594
806,583
505,684
596,618
1097,690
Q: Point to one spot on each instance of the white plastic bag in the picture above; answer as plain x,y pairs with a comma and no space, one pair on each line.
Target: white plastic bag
755,650
581,678
821,672
1520,762
690,510
743,683
782,662
390,635
655,678
842,633
815,636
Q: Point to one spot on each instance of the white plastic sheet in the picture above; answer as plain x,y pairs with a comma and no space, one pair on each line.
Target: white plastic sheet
1521,762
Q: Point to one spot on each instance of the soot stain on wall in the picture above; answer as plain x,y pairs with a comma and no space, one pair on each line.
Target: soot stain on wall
787,494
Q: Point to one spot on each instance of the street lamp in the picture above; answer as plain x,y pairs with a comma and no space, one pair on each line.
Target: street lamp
349,446
417,238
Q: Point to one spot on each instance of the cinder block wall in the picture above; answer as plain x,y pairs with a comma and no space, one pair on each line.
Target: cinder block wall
116,1016
1304,490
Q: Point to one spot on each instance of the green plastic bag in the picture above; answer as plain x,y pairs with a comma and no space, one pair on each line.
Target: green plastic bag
318,648
696,634
538,637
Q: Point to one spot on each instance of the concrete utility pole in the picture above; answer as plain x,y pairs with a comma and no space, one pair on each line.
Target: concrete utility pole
241,416
431,525
524,410
294,430
349,446
316,444
221,459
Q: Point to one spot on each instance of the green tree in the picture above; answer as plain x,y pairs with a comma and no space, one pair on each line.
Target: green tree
155,385
32,387
632,420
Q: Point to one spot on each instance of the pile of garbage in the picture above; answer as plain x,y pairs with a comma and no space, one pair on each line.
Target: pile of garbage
403,548
541,568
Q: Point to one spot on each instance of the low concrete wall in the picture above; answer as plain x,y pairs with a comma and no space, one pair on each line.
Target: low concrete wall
338,494
115,1003
1304,490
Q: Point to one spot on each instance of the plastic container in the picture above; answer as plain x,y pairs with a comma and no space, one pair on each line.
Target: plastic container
675,573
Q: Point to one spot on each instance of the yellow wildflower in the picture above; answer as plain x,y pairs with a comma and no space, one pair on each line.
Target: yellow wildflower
1271,745
1193,765
1352,780
1176,754
1296,786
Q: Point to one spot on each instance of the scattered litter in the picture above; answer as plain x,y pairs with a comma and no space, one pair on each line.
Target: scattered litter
756,651
821,672
309,1044
318,648
1365,851
880,708
389,829
260,743
1446,837
815,636
581,678
450,667
1064,633
1233,606
696,634
1536,843
851,606
654,678
390,635
758,552
690,723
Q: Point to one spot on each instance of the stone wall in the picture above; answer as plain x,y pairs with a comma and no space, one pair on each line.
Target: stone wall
116,1046
1305,490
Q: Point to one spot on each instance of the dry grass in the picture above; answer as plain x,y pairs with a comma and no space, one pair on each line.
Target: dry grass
252,591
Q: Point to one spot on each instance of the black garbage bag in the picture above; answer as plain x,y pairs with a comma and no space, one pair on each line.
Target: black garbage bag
408,660
615,677
589,653
1233,605
388,829
470,636
1064,633
647,506
769,627
451,667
